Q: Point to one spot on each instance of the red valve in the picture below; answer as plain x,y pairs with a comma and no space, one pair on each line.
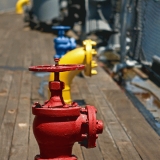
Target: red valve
57,126
55,86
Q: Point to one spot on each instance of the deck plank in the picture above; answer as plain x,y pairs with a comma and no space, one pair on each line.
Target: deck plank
137,128
114,127
4,92
33,149
95,153
115,130
130,118
126,134
9,118
77,150
22,120
104,138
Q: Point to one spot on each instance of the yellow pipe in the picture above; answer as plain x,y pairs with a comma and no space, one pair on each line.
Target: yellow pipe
20,4
81,55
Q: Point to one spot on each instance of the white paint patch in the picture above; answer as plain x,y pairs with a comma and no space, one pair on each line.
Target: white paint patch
22,125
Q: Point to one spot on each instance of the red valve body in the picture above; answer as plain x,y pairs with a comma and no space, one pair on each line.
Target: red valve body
56,130
57,126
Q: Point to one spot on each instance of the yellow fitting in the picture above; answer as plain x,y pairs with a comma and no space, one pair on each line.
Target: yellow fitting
94,64
93,72
88,45
94,52
81,55
20,4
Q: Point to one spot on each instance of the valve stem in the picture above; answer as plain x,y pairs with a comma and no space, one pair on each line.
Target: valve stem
56,61
56,74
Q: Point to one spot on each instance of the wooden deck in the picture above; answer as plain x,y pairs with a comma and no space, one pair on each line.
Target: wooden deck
126,135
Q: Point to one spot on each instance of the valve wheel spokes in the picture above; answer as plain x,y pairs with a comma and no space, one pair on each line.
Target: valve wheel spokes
56,68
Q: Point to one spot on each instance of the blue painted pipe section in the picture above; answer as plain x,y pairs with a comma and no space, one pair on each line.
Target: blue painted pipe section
62,43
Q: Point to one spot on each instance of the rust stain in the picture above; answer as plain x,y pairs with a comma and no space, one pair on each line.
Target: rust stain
3,92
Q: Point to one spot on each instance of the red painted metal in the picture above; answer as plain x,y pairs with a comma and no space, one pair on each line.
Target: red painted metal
57,126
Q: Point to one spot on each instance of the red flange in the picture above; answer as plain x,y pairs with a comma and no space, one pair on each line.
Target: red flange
92,132
95,127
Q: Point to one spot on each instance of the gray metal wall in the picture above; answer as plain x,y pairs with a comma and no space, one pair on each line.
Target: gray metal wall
7,5
151,29
147,41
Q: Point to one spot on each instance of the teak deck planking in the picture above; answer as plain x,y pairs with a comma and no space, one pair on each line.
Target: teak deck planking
126,134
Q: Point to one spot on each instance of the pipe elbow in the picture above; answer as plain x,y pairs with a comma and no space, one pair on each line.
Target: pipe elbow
20,4
82,55
76,56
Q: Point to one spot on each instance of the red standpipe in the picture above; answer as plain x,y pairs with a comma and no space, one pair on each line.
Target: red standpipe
57,126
